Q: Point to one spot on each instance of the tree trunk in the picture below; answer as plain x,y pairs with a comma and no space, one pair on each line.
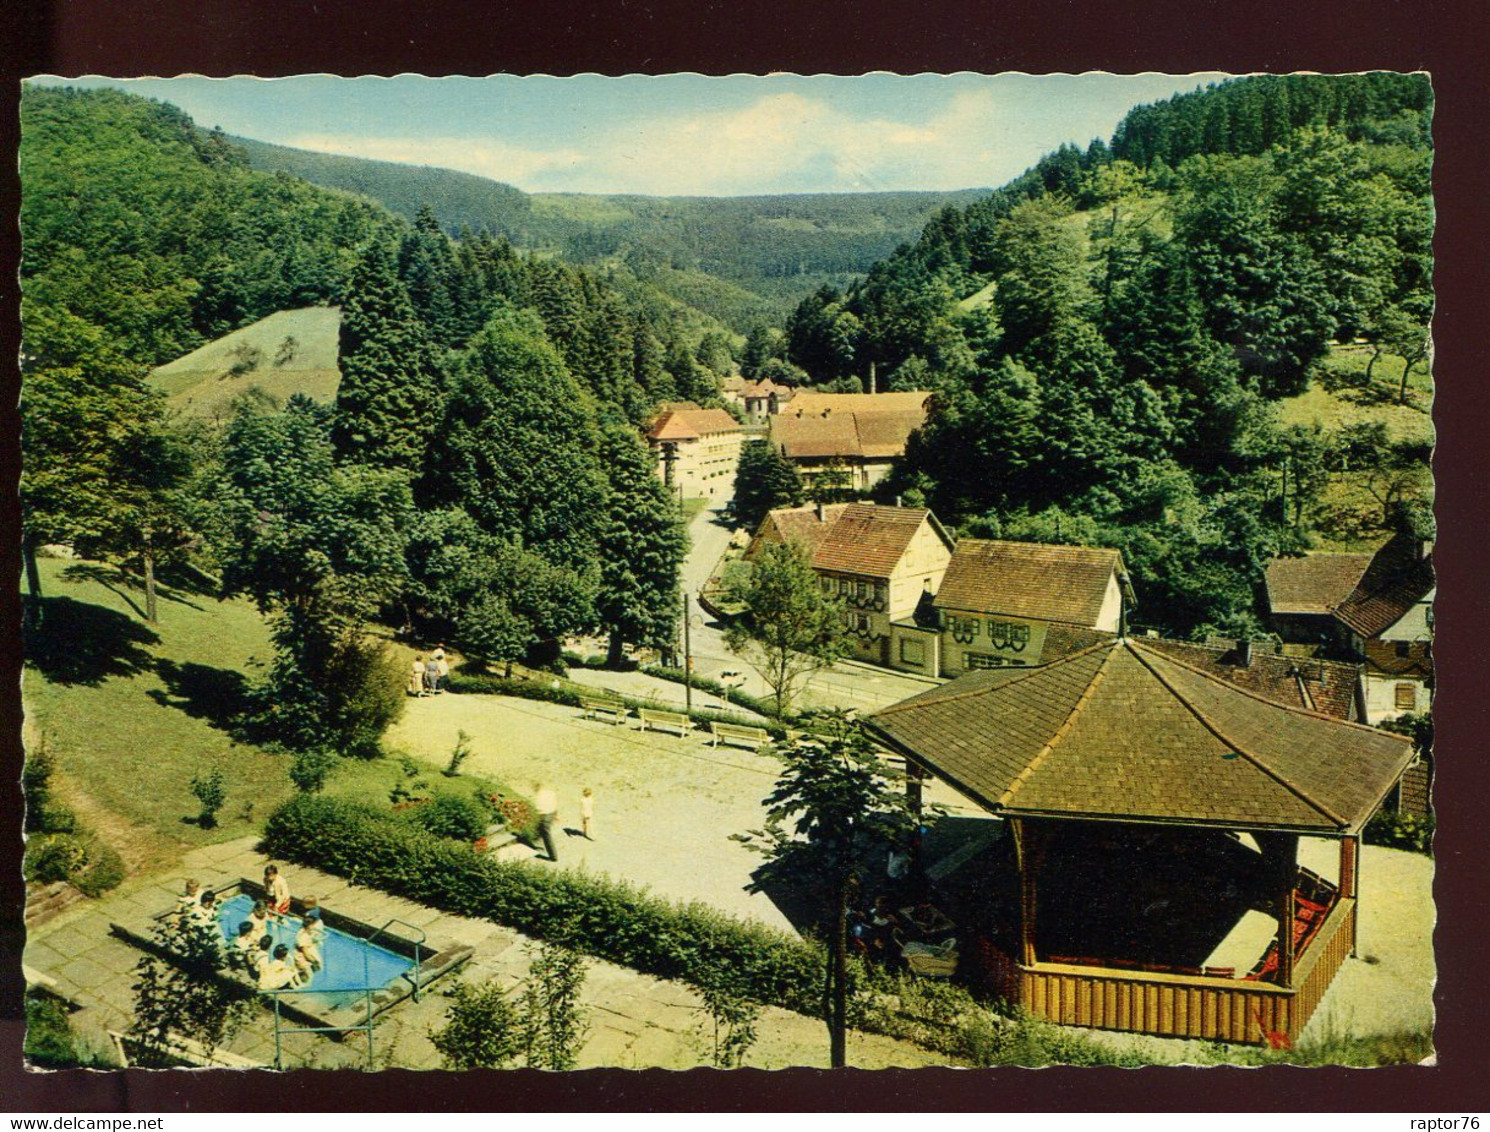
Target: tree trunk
838,1025
1407,365
1376,352
148,559
616,653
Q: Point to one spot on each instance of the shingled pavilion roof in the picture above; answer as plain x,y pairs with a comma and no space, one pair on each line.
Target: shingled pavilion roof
1123,731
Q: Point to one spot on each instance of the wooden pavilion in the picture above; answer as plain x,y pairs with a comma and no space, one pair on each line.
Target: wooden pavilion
1155,813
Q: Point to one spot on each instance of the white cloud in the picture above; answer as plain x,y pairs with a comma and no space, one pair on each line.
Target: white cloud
779,143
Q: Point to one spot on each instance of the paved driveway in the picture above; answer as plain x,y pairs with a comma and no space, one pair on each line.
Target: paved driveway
665,807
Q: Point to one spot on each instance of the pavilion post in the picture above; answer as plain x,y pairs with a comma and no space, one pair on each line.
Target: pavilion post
1287,849
1024,851
1350,884
914,786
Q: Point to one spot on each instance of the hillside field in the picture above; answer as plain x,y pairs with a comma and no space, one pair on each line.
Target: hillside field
286,353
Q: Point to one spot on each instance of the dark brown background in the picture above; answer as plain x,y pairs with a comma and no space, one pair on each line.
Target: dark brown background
222,37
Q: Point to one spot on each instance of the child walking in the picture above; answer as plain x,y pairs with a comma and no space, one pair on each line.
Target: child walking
586,811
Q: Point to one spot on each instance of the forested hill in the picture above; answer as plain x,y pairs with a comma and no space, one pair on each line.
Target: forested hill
1112,333
741,259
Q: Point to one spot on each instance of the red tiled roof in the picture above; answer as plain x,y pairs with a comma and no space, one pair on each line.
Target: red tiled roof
870,541
809,402
766,388
816,437
1315,583
1124,731
1029,579
796,524
691,424
1398,578
871,426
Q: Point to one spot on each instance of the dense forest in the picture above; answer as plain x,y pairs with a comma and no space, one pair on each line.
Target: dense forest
1110,335
471,479
740,259
1109,338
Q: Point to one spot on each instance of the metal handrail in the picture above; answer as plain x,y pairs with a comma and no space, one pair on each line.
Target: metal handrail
366,990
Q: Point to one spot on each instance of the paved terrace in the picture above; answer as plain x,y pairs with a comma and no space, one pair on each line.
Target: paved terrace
636,1021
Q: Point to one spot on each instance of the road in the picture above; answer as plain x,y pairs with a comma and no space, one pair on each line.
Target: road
846,684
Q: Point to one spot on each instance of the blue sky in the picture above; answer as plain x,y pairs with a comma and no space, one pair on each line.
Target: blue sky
682,134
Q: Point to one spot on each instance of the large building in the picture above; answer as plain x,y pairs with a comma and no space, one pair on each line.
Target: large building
852,437
697,450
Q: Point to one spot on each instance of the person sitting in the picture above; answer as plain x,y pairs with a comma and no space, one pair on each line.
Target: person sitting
241,950
263,923
277,972
308,944
204,912
189,899
276,891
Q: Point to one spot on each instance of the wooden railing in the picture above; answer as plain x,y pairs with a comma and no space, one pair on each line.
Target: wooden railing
1191,1006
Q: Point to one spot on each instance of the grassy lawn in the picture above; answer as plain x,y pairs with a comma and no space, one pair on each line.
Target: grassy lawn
132,711
691,508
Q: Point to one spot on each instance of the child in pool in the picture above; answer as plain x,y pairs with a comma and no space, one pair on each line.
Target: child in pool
308,944
189,899
241,950
263,923
276,891
277,972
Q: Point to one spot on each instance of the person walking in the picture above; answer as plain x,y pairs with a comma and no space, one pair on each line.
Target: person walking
443,666
432,675
416,678
546,802
586,811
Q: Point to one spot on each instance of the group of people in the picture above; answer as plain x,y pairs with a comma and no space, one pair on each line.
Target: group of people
428,674
890,935
546,803
252,949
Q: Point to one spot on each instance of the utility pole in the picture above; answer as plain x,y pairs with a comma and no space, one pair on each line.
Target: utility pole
687,658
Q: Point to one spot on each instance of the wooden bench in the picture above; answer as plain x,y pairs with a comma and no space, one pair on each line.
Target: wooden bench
752,737
675,720
597,707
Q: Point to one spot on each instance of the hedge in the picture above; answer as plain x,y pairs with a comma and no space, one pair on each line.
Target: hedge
605,918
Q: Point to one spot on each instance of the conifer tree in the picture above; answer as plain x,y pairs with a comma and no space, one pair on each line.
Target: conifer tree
389,399
642,545
764,481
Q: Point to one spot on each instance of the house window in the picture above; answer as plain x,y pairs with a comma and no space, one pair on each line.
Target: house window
861,590
861,622
912,651
980,660
1407,697
1404,649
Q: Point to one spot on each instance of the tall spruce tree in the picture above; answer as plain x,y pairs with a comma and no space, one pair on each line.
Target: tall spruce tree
764,481
389,399
642,545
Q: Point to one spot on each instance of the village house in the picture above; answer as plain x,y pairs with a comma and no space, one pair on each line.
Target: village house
883,564
853,438
1374,610
765,398
697,449
1001,600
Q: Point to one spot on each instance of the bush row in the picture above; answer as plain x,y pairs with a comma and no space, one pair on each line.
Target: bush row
601,917
689,942
1397,829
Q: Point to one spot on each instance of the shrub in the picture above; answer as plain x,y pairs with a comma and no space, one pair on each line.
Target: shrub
54,857
605,918
104,870
36,779
49,1041
56,817
1397,829
480,1030
453,815
211,793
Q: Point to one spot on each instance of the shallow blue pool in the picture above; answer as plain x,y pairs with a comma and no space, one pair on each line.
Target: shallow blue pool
342,973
